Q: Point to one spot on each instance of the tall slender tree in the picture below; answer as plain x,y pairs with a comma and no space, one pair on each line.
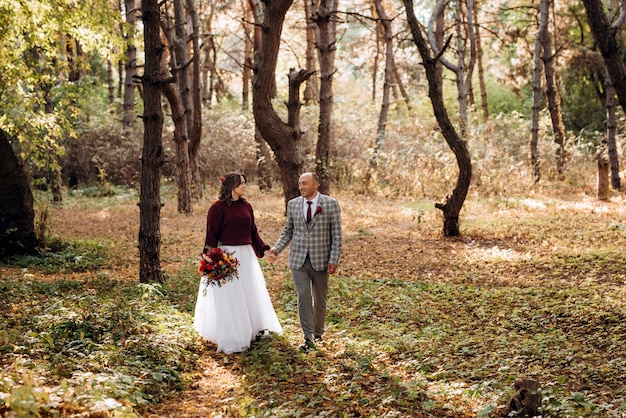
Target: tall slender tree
130,66
536,99
311,89
385,23
195,130
611,130
324,16
263,152
552,94
479,62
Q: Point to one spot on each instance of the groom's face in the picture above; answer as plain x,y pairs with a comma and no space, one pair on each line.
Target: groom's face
308,186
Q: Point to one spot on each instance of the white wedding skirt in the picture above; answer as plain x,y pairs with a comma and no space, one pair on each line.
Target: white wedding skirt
232,315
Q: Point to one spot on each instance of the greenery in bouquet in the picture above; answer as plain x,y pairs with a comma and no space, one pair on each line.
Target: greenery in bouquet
218,267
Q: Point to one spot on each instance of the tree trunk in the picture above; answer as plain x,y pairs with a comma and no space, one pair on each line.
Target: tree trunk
379,34
311,90
536,104
152,154
17,216
56,182
248,56
463,72
611,129
181,71
176,98
604,34
481,71
384,108
325,38
603,176
454,203
285,139
526,401
263,159
130,68
263,153
195,131
398,82
110,83
552,96
170,90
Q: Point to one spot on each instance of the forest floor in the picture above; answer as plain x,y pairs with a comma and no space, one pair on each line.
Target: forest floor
494,305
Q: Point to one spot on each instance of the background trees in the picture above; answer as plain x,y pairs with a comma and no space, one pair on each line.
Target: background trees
58,81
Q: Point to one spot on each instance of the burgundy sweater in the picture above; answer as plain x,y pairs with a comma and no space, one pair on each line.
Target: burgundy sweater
233,225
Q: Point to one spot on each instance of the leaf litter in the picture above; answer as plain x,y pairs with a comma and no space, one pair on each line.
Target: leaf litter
418,324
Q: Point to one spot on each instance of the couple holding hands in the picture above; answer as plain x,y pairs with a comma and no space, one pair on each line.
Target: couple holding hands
233,315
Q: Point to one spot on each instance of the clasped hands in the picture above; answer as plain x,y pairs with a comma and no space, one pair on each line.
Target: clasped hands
272,257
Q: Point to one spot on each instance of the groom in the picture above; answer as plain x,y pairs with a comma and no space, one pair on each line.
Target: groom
314,229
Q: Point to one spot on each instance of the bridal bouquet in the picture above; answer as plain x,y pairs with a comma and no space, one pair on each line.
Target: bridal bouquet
218,267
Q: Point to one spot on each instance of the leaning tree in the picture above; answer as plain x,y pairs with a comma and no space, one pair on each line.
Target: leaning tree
452,207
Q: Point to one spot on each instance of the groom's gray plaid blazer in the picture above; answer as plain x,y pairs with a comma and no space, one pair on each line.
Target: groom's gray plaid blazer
321,239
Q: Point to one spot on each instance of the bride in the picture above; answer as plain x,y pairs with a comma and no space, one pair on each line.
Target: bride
232,315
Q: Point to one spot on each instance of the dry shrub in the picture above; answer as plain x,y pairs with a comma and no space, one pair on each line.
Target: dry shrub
228,144
104,155
415,159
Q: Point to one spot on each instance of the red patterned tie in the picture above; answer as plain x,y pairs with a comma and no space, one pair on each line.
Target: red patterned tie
308,212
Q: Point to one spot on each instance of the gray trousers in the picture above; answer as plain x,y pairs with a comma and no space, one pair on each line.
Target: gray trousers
311,288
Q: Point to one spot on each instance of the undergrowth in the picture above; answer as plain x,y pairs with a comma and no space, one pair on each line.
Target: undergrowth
418,325
90,345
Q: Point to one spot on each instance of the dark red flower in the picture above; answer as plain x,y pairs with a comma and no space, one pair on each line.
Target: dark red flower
318,210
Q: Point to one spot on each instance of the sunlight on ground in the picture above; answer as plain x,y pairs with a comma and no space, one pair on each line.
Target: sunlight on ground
495,253
533,203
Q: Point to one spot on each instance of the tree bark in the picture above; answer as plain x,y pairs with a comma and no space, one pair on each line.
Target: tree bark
603,176
248,56
195,130
130,68
481,73
611,129
452,207
110,83
152,154
385,23
311,89
263,161
17,216
398,82
263,153
552,96
605,35
285,139
170,91
180,102
536,102
325,38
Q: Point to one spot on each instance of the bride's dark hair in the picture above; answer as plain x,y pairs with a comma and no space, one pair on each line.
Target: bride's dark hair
230,181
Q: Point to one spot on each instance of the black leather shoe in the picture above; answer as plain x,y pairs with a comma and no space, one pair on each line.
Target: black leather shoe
307,346
317,338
